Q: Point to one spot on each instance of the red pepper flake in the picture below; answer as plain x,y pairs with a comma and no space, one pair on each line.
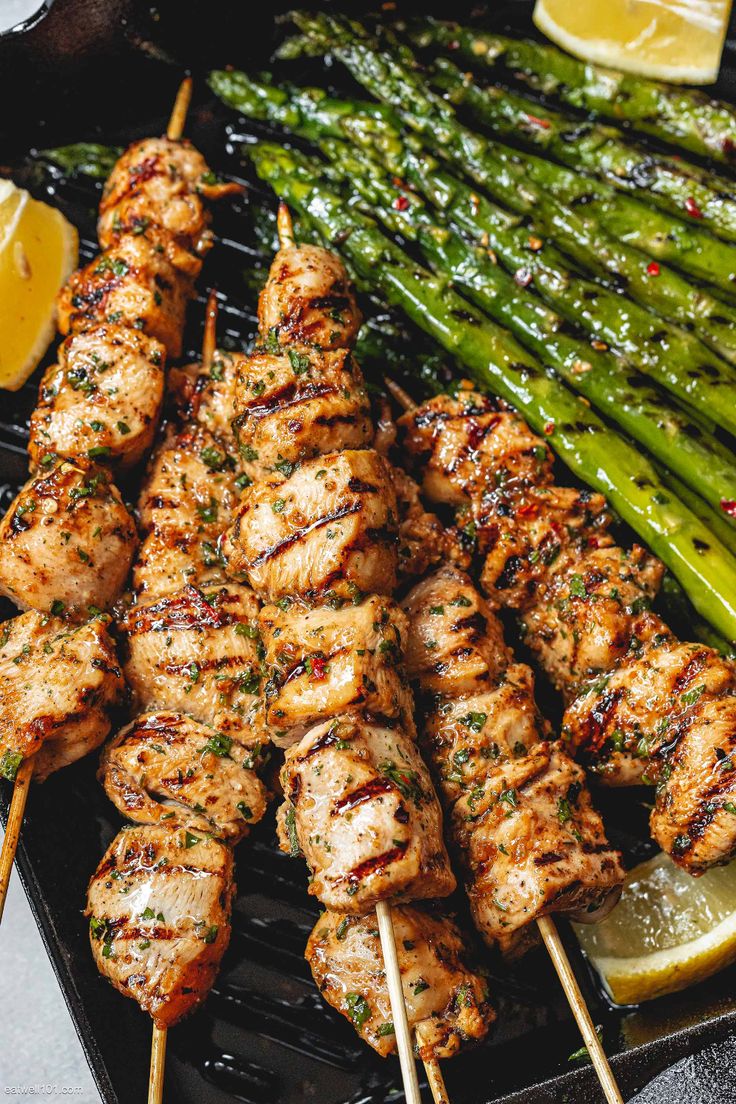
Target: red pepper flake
728,146
535,243
318,668
728,505
549,428
599,346
692,208
543,123
401,203
523,277
653,268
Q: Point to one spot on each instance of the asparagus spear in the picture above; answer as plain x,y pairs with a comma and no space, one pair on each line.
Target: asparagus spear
641,410
505,173
592,451
681,116
674,358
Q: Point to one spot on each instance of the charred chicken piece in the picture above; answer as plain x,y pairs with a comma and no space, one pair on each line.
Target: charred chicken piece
207,396
67,541
132,284
156,191
329,529
591,612
423,539
308,299
166,768
325,661
455,645
446,1001
102,399
159,917
188,499
298,403
466,447
360,805
57,686
199,650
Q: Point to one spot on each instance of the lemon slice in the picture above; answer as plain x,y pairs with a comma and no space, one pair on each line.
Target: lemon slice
38,251
668,931
676,40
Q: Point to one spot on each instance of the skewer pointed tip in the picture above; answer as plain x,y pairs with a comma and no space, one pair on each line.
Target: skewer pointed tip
285,227
209,341
179,111
12,829
397,392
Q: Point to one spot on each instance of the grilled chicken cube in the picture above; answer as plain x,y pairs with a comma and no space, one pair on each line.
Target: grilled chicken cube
166,768
67,541
130,283
446,1001
465,447
156,190
300,403
455,645
465,738
207,396
199,650
532,843
359,804
308,299
188,499
330,527
102,399
590,612
524,534
159,917
57,685
423,539
327,661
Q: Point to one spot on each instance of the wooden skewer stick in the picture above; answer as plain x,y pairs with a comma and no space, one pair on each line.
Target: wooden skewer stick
175,129
548,929
209,341
558,954
285,227
12,830
435,1080
398,1004
158,1065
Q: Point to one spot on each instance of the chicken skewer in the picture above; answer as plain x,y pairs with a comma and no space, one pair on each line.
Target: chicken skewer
316,534
68,532
427,605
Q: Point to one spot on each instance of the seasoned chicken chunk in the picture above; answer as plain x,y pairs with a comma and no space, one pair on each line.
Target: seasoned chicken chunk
308,299
455,645
102,399
166,768
532,843
199,650
207,396
67,541
130,283
423,539
57,686
524,533
446,1001
360,805
188,499
466,447
299,403
159,917
591,611
331,526
465,738
156,190
327,661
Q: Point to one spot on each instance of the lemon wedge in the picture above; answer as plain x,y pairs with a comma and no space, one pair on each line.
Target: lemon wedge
38,251
675,40
668,931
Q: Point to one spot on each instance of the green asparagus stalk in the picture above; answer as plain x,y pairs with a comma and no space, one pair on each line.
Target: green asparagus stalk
681,616
681,116
592,451
686,190
643,411
502,173
714,519
664,352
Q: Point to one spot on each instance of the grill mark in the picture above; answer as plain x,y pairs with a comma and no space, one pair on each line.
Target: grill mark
693,667
548,858
376,864
188,610
363,793
291,394
287,542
